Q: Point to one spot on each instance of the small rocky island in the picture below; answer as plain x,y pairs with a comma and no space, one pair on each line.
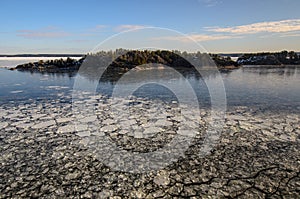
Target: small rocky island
130,59
127,59
56,65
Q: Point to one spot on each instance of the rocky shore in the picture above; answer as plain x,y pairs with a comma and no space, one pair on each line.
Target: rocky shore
52,66
43,153
270,58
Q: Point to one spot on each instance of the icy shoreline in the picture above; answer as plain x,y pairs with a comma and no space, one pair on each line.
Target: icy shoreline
43,153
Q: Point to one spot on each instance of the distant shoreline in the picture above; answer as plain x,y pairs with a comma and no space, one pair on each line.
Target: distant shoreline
44,55
271,66
62,62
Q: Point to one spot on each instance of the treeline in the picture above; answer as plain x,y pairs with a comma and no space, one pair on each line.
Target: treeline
43,55
173,58
119,62
223,61
122,60
270,58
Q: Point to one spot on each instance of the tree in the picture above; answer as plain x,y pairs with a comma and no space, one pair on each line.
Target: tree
41,63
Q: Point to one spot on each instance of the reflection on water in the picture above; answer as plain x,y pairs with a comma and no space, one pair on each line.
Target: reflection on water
15,85
281,71
266,88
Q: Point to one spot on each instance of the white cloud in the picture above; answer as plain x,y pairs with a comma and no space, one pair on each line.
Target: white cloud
210,3
197,37
129,27
261,27
98,28
49,32
203,37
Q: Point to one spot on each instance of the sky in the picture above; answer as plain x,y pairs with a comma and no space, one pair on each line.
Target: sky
218,26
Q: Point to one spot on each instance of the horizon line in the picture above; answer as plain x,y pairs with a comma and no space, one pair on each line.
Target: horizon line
80,54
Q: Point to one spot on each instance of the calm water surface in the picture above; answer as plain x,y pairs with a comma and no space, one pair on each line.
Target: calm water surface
265,88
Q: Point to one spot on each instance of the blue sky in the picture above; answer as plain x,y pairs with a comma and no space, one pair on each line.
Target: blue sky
70,26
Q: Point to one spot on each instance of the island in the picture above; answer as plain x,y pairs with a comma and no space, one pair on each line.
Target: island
126,59
270,58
